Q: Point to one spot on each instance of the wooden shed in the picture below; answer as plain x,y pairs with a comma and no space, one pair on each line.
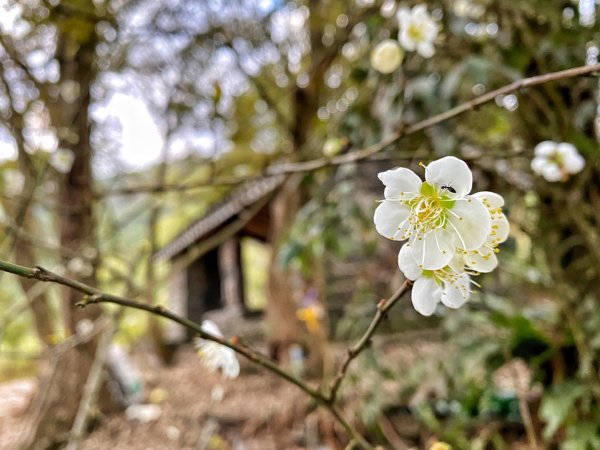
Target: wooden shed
206,267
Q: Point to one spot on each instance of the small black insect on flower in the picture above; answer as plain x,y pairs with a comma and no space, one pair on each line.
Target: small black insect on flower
449,188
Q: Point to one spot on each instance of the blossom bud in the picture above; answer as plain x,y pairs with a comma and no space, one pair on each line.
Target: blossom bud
387,56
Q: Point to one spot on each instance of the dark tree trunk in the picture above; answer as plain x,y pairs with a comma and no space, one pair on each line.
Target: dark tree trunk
55,405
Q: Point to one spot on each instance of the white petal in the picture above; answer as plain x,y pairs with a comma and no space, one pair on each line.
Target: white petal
400,183
574,163
434,250
430,30
565,149
404,18
500,230
425,49
425,296
484,262
406,40
420,12
452,172
456,294
407,263
471,222
552,172
490,199
457,263
545,148
210,327
539,164
230,365
388,217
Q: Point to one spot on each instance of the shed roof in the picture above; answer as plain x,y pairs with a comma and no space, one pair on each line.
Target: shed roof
240,198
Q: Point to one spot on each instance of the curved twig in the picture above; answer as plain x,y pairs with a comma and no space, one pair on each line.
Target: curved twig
382,308
93,295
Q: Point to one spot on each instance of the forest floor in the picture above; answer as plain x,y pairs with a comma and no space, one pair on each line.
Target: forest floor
199,410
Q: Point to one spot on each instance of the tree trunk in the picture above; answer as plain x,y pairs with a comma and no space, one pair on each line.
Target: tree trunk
55,405
284,328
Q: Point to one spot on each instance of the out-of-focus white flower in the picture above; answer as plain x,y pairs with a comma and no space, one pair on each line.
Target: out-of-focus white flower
417,30
557,161
62,160
387,56
143,413
446,285
216,356
334,146
80,266
84,327
436,216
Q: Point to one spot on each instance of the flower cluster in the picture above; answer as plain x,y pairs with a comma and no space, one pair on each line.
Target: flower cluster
417,33
451,235
556,161
216,356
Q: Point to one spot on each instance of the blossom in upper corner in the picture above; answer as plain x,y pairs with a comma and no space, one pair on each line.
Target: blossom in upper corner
445,285
557,161
387,56
437,216
216,356
417,30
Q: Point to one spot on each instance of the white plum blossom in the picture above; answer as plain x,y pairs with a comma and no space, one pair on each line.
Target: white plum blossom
62,160
216,356
446,285
417,30
557,161
452,235
387,56
437,216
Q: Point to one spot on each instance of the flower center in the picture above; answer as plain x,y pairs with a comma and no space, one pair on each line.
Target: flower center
557,159
414,31
450,277
429,209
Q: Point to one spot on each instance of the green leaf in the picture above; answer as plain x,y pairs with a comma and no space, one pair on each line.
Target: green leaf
582,436
556,405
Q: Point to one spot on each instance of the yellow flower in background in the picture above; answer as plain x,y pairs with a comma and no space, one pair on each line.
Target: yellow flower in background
310,311
311,316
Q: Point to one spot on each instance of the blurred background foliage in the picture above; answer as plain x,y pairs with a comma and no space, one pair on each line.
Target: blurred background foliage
220,83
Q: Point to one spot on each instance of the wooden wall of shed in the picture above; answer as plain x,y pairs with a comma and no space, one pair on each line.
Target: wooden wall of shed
230,265
204,286
177,302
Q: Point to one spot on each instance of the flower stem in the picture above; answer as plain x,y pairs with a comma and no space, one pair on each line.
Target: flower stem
382,308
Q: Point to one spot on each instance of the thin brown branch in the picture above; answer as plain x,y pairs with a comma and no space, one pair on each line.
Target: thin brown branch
95,296
367,152
382,308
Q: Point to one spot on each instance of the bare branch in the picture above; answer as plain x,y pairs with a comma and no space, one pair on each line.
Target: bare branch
367,152
382,308
93,295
